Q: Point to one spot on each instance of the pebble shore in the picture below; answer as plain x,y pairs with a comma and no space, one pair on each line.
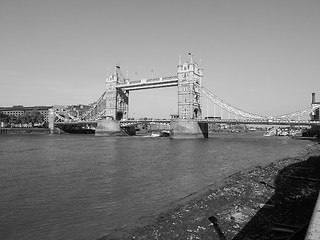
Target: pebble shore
263,202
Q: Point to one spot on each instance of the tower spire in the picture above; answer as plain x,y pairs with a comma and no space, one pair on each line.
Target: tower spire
179,64
108,75
191,57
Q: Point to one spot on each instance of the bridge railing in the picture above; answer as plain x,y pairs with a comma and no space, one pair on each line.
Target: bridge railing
134,82
170,78
154,80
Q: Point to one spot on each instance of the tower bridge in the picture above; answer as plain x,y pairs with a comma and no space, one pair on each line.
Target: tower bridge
110,113
188,80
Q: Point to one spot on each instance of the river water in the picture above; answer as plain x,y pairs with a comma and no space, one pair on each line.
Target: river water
82,186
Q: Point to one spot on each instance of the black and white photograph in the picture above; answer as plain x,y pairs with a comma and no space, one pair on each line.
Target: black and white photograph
159,120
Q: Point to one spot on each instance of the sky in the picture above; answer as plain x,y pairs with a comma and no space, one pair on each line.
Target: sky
260,56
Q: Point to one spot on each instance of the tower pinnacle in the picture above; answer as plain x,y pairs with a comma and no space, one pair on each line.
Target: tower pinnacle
191,57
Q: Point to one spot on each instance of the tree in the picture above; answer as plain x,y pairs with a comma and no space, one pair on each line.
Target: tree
4,118
34,117
29,117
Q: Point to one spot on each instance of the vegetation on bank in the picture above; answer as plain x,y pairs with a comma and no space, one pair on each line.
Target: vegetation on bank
29,119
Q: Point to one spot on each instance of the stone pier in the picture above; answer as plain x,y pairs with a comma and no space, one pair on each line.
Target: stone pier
110,127
51,117
188,129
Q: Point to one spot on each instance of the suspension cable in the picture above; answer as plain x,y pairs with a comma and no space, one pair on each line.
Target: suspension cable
229,108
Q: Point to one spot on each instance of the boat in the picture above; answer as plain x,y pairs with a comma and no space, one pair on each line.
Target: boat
163,133
155,134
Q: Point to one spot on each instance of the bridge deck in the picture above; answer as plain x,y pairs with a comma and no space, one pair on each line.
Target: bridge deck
263,122
221,121
149,83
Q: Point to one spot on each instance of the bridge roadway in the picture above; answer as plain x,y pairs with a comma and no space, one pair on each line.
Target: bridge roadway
263,122
124,123
229,121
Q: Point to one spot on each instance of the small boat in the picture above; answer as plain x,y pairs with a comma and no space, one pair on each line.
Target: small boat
155,134
165,133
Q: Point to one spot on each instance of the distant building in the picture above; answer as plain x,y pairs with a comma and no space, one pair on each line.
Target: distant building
71,111
315,116
78,110
174,116
19,110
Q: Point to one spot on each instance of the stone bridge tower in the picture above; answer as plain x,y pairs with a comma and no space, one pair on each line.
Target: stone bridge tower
117,100
187,125
189,76
116,107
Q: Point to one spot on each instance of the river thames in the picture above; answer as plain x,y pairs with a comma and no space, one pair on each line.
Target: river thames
82,186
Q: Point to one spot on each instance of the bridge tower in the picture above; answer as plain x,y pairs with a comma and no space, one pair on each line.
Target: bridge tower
117,106
187,125
189,76
117,100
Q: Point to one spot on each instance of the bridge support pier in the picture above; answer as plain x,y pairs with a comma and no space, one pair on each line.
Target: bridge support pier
110,127
51,118
188,129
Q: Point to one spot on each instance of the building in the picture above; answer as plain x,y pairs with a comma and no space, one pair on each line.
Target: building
78,110
19,110
315,114
71,111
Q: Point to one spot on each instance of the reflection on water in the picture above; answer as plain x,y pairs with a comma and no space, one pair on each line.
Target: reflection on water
81,186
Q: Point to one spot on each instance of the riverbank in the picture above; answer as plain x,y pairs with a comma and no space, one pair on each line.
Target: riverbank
258,203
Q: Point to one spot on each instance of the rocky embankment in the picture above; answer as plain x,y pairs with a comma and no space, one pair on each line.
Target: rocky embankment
264,202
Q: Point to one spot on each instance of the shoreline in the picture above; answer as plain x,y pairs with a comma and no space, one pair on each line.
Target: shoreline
243,205
9,131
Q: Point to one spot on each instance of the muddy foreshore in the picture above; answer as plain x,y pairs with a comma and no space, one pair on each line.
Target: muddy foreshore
263,202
